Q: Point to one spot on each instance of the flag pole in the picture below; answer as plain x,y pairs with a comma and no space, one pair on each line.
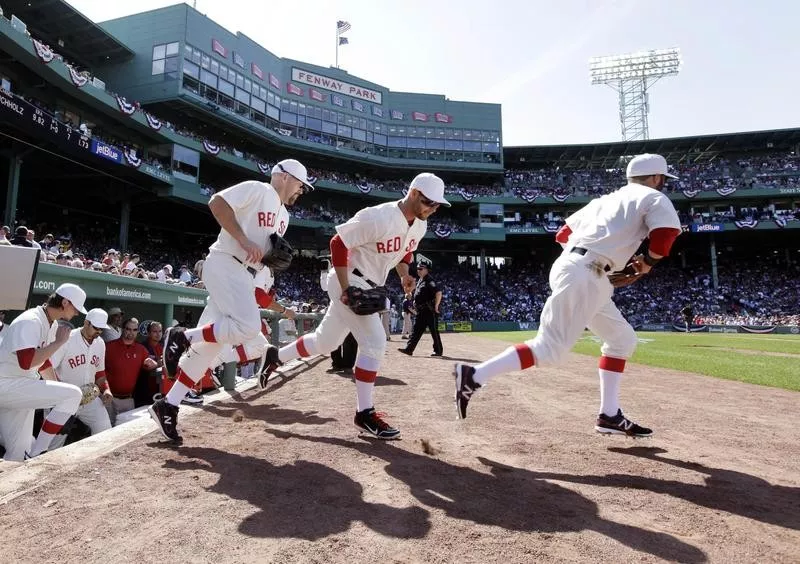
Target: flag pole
337,45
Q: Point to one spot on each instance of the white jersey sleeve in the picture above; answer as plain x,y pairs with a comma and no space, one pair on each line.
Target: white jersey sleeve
58,357
26,336
659,212
243,195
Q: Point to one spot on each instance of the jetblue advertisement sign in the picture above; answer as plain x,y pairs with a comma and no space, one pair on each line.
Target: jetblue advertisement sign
106,151
707,227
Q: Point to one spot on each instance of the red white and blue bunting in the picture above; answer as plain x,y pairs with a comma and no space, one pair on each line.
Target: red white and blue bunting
552,227
529,196
211,148
124,106
153,121
131,158
726,191
405,192
77,79
780,222
762,330
468,196
43,51
560,197
746,224
690,193
264,169
442,231
363,187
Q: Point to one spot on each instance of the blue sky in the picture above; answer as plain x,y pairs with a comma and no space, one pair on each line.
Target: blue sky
739,72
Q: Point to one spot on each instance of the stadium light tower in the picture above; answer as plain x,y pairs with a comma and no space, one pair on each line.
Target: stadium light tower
632,75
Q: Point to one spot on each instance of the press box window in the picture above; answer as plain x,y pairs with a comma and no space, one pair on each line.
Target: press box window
165,58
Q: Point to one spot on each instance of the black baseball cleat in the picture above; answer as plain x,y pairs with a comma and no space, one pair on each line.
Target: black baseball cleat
620,425
192,398
175,343
437,354
271,362
166,417
405,351
372,422
465,387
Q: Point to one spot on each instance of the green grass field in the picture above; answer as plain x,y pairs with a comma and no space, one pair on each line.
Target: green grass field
767,360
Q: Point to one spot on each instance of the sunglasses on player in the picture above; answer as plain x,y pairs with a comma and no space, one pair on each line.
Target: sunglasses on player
305,188
427,202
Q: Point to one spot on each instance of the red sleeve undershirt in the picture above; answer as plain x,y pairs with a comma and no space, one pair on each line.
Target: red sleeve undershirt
563,234
264,298
408,258
661,240
338,251
25,358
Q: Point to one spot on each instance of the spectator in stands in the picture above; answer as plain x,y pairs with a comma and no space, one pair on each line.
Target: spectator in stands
48,243
30,236
125,360
114,329
5,231
198,267
185,276
164,274
20,238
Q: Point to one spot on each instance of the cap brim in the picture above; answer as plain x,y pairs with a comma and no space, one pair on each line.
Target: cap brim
668,175
80,309
308,185
104,326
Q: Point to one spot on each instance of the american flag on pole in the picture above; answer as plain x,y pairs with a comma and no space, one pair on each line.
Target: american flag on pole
342,26
343,41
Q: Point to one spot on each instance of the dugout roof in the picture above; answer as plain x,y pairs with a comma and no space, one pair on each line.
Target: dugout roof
84,42
676,149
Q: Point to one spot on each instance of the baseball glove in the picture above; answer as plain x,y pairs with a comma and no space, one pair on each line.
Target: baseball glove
366,302
627,276
90,391
279,256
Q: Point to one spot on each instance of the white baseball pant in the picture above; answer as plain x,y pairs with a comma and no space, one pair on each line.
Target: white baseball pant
94,415
19,399
581,299
231,308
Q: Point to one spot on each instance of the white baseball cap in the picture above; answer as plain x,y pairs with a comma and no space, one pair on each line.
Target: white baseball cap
74,294
431,186
295,168
648,164
98,318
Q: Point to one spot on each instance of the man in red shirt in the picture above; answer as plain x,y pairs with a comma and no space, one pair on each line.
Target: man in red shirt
125,359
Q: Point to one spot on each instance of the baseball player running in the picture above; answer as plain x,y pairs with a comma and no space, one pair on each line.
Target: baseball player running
248,214
27,344
363,252
597,239
82,362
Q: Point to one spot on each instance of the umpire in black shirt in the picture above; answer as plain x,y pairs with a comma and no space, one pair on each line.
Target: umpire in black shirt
427,298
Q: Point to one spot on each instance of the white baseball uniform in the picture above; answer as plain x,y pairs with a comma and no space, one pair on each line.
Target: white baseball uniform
232,310
610,228
377,238
80,363
21,390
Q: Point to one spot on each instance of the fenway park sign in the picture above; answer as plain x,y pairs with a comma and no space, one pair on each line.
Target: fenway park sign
328,83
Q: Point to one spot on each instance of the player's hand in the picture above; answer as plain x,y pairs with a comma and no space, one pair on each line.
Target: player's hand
150,364
253,250
290,313
62,334
106,397
407,281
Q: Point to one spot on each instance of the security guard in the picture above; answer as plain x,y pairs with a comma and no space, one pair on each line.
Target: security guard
427,298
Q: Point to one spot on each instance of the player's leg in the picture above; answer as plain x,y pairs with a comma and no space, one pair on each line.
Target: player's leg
26,394
577,293
16,432
406,325
368,332
95,416
330,333
619,343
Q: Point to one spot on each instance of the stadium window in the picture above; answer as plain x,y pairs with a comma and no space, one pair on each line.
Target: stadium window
342,118
226,88
380,150
284,105
158,67
206,61
171,65
191,69
359,134
362,123
344,131
430,132
288,118
242,96
215,67
329,127
231,76
263,93
239,80
223,71
380,139
435,144
273,112
412,132
416,143
271,99
293,106
247,84
255,90
196,56
173,49
441,132
187,51
301,109
208,79
258,105
159,52
313,123
369,137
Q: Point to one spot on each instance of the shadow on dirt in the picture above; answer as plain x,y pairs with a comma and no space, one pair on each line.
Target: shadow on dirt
734,492
303,500
512,498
